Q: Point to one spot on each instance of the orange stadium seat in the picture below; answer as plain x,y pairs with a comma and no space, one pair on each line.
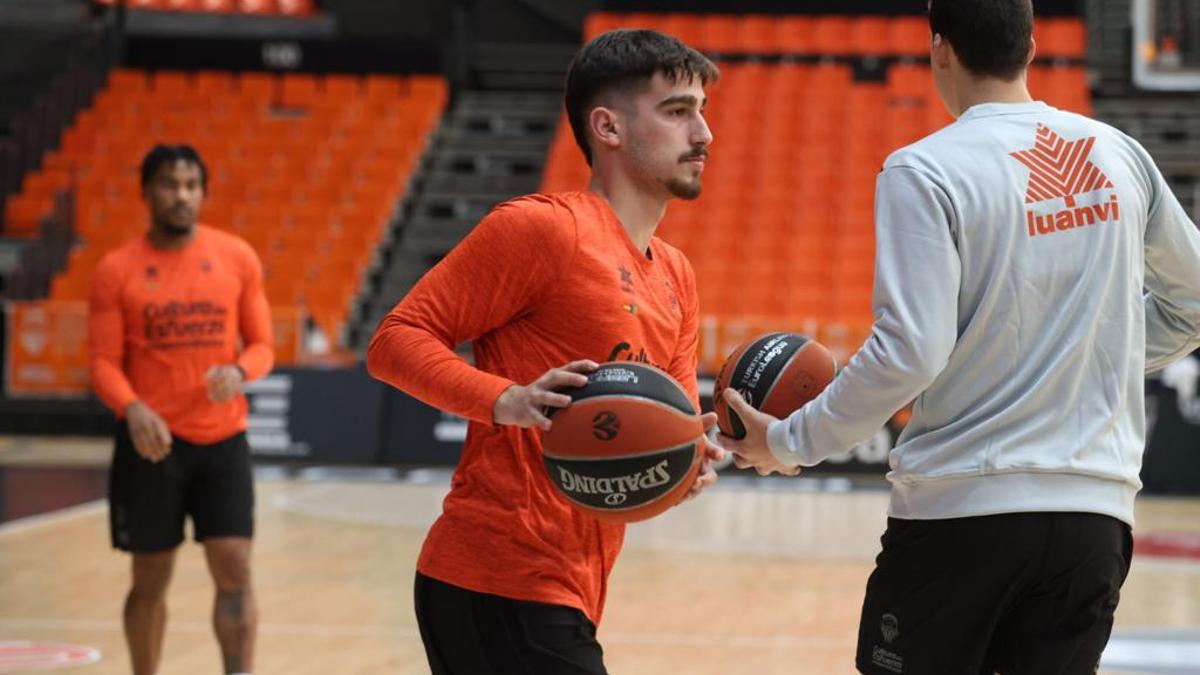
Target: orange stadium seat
126,81
171,85
1061,38
256,6
719,33
298,91
386,88
796,34
213,83
22,215
909,36
342,87
601,22
756,33
686,27
870,36
295,7
832,35
257,86
217,6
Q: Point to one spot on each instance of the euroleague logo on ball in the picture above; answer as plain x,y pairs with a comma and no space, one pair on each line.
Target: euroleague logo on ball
606,425
615,498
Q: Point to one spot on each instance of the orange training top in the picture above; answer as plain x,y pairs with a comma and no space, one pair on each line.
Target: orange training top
541,281
159,320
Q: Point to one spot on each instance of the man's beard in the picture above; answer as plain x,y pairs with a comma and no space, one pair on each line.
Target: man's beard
687,190
175,230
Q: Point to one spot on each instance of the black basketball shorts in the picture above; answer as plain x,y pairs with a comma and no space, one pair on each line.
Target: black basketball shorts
149,501
1015,594
470,633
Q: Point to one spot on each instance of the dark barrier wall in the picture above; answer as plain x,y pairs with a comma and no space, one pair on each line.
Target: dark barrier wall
312,55
1171,464
345,417
885,7
415,433
317,416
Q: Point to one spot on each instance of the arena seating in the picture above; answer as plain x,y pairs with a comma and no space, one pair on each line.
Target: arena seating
308,169
783,235
822,35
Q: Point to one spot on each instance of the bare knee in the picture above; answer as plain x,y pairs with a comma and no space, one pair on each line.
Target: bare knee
151,575
229,563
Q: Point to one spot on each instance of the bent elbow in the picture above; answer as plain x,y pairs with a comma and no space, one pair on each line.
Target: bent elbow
376,355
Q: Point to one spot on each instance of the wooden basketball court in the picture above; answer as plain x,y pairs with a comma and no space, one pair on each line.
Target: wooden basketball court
759,576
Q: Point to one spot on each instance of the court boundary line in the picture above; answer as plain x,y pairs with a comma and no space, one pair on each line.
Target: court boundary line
40,520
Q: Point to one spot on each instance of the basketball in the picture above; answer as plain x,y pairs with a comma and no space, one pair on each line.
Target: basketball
776,373
628,447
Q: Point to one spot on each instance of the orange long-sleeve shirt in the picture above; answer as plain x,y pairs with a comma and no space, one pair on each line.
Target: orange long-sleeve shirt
540,282
159,320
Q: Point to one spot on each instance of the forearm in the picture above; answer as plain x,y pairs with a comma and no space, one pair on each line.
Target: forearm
1172,277
256,360
1169,336
879,380
111,385
418,363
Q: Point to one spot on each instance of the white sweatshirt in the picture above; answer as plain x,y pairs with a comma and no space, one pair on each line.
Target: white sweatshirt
1031,266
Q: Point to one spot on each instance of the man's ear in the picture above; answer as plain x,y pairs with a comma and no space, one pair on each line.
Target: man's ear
606,127
941,53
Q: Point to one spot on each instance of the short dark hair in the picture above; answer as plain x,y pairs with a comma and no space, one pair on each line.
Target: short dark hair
624,59
991,37
169,154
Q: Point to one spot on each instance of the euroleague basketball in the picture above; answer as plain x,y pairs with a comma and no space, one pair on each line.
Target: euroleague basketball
776,373
628,447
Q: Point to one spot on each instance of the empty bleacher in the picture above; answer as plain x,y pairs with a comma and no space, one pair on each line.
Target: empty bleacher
306,168
783,236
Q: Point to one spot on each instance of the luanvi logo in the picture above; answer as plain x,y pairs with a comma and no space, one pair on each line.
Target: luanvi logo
1061,169
606,425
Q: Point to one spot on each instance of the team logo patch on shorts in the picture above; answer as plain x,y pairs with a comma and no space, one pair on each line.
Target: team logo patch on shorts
889,627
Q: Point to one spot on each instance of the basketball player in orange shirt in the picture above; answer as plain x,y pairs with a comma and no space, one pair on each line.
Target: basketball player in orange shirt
166,316
512,578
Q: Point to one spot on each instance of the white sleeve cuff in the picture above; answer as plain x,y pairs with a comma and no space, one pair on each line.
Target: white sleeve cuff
778,442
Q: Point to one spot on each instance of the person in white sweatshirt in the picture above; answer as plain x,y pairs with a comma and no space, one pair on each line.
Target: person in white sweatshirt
1032,266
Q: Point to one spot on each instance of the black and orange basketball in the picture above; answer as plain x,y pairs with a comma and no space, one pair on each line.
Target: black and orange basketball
776,373
628,447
